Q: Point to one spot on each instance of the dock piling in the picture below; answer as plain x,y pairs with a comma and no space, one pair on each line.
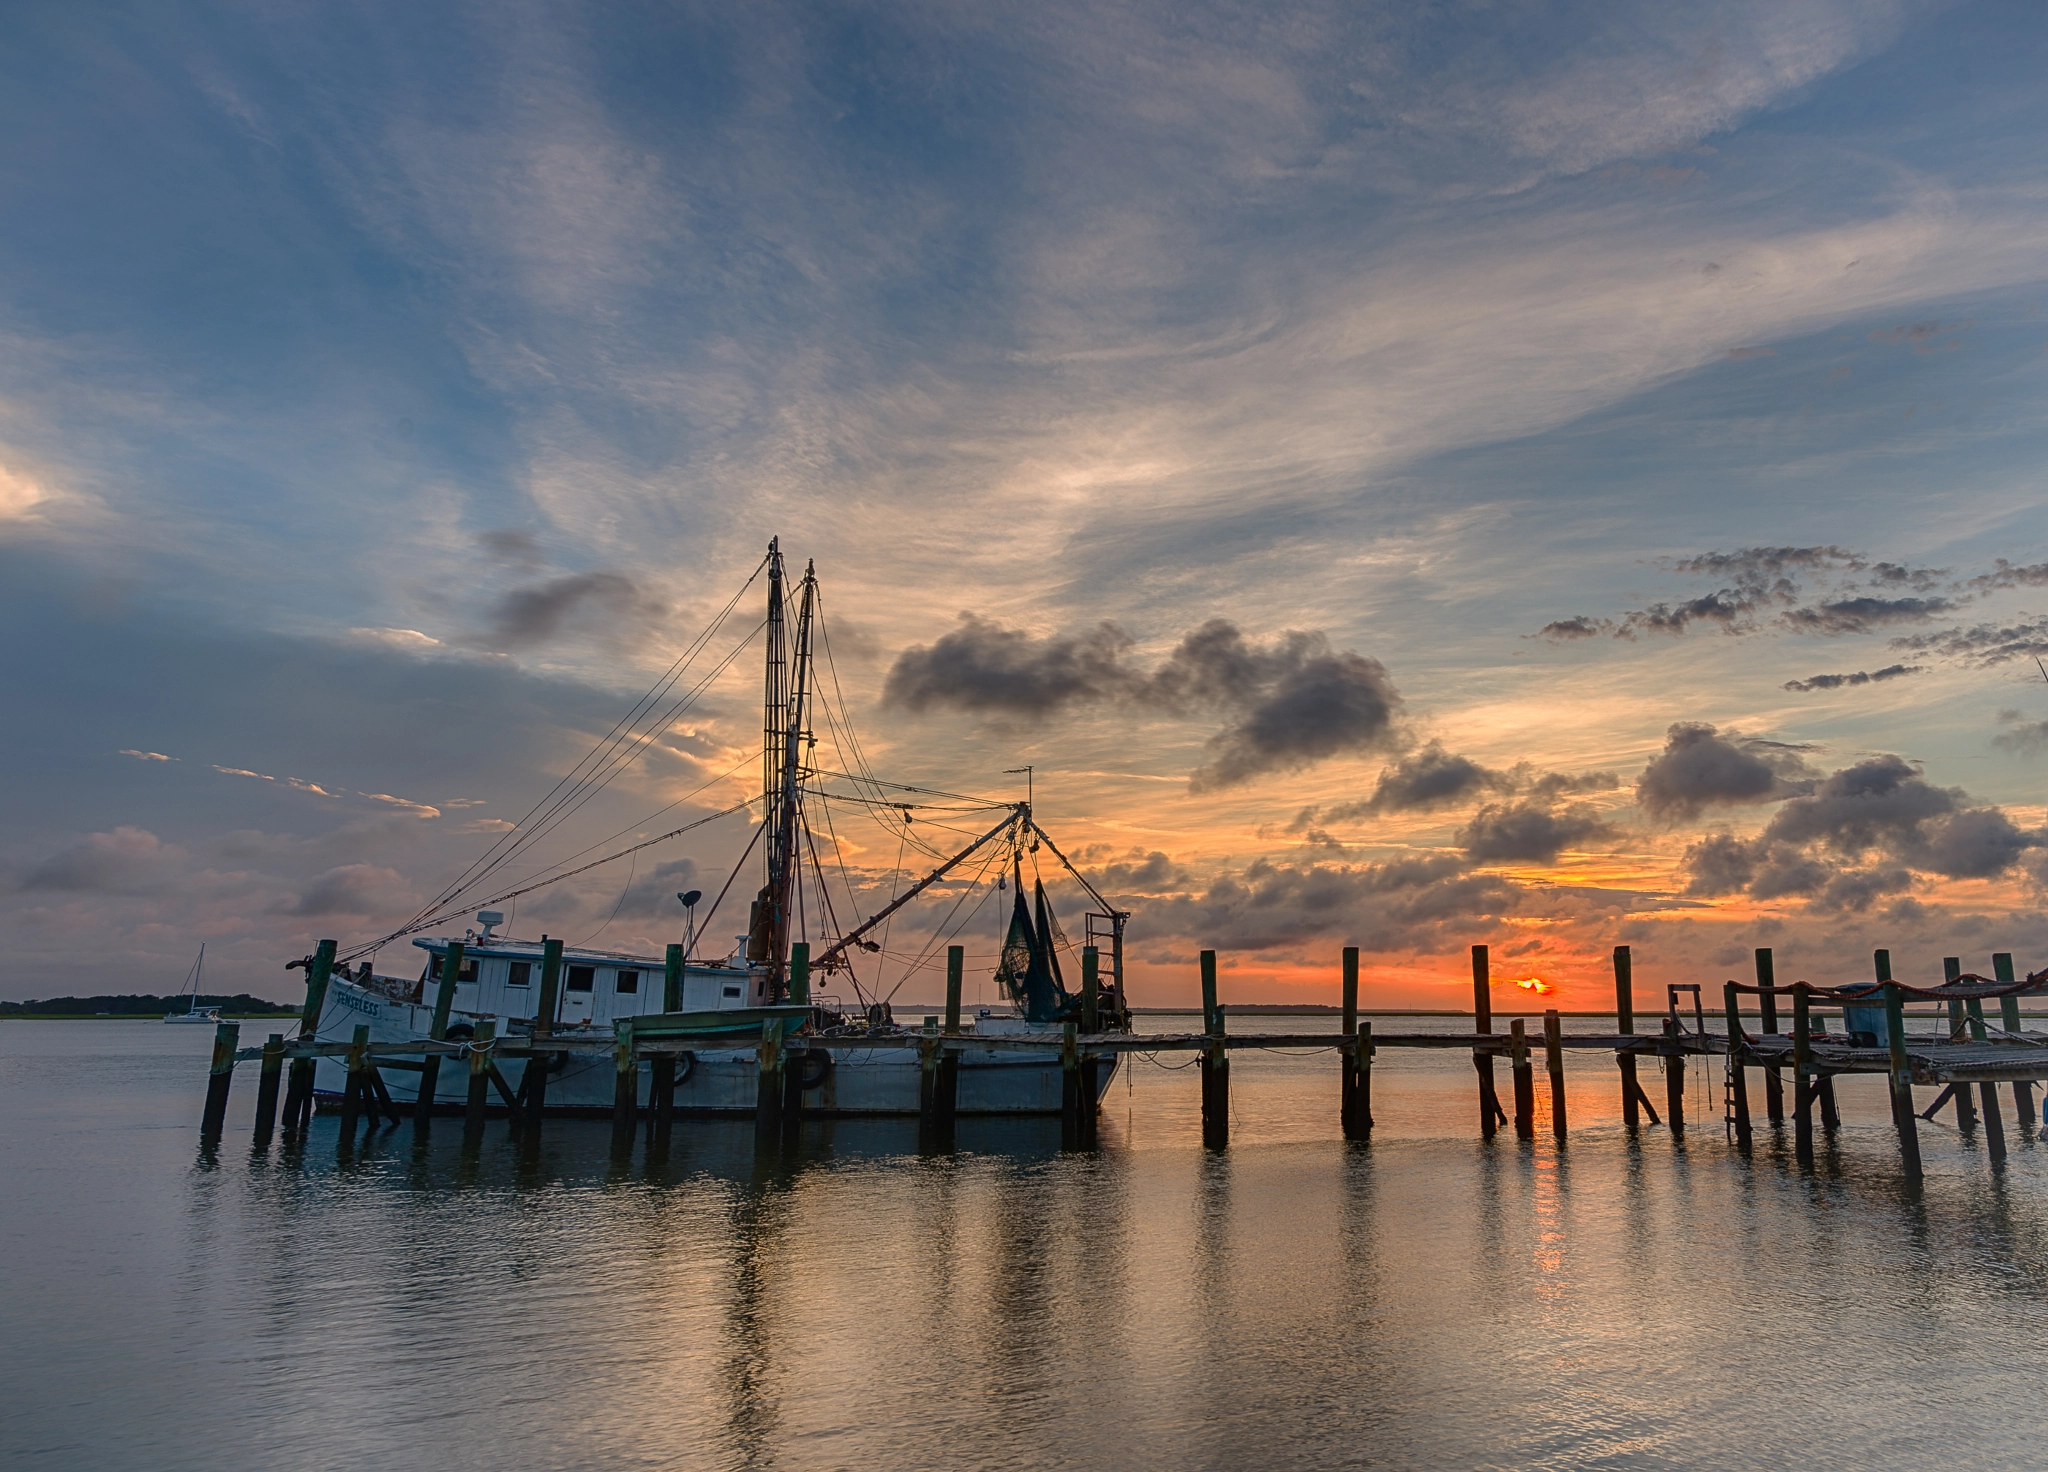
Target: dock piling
266,1088
947,1104
1524,1075
1070,1087
2009,1016
357,1086
1958,1029
661,1069
1348,1072
1215,1064
1553,1063
480,1048
213,1120
1361,1061
1491,1115
444,1003
533,1083
298,1101
1674,1078
1900,1076
1774,1077
1738,1072
769,1056
625,1088
1802,1073
1625,1023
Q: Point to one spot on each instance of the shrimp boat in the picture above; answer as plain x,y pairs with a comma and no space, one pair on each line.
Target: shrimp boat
791,967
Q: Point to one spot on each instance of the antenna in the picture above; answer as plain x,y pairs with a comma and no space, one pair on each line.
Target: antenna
1026,773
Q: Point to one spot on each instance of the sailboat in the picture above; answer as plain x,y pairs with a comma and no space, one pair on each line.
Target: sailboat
793,962
193,1011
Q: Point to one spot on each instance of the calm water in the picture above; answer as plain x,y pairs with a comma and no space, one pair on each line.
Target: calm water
1428,1301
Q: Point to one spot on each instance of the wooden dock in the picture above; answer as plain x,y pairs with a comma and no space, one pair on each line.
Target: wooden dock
1966,1060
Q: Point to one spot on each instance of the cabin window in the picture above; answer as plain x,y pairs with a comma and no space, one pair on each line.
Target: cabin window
629,981
582,978
468,972
519,973
732,991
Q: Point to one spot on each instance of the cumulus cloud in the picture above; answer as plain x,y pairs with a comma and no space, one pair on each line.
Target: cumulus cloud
126,861
1699,768
988,669
1983,644
1765,588
1289,703
354,889
1530,832
2004,575
1141,873
1432,778
1860,834
1861,677
653,895
1379,906
528,616
2026,738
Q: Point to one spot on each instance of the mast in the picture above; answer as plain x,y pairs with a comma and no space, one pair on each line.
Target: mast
761,925
785,859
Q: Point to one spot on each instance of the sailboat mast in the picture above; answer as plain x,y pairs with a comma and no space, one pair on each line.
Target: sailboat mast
784,858
761,924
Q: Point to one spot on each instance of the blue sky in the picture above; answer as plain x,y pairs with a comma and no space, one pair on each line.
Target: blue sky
384,398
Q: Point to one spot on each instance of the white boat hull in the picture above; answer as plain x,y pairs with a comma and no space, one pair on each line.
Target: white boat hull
720,1078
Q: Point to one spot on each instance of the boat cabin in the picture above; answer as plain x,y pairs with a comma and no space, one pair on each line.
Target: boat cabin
501,978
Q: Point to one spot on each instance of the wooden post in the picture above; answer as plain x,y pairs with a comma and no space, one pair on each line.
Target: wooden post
1738,1069
1215,1064
444,1003
928,1093
358,1082
625,1087
1361,1057
266,1088
948,1103
1901,1076
1070,1088
1987,1092
1524,1075
1674,1078
1091,990
1491,1115
1553,1063
1774,1077
479,1079
1966,1108
661,1068
534,1082
226,1036
768,1054
1625,1024
800,973
2009,1015
1802,1074
298,1099
1347,1089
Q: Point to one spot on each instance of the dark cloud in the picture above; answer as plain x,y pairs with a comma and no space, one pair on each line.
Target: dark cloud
1151,873
1300,702
2026,738
652,894
1290,703
983,667
354,889
1530,832
2004,575
1861,615
528,616
1861,834
511,546
1983,644
1403,904
1765,588
1559,631
1433,778
128,860
1699,769
1837,682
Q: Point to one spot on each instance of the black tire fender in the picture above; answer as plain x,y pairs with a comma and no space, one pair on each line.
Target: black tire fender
817,1067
